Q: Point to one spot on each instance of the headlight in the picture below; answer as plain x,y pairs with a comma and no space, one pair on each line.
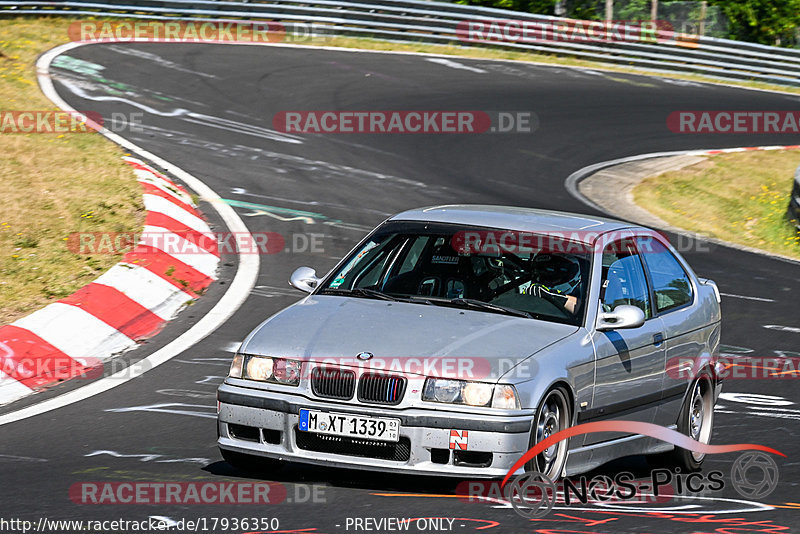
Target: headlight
442,390
470,393
259,368
236,366
266,369
476,394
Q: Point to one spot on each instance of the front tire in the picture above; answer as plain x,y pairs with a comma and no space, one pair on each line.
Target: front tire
552,416
696,420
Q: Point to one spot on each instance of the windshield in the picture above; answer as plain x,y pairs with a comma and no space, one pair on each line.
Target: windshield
531,275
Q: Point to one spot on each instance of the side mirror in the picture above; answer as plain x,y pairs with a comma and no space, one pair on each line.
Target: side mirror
624,316
304,279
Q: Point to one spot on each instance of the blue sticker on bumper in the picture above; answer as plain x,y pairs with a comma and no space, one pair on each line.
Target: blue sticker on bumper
303,425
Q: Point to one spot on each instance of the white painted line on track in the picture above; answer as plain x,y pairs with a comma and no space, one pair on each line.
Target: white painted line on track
759,299
232,346
234,297
455,65
782,328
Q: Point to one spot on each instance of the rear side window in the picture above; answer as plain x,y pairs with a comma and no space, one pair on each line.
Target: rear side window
670,281
623,278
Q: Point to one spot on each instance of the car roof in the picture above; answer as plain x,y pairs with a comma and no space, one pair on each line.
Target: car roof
575,227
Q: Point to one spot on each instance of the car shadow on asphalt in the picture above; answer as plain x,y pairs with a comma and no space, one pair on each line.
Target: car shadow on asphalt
289,472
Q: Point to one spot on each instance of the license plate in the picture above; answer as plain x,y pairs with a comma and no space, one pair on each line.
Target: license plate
352,426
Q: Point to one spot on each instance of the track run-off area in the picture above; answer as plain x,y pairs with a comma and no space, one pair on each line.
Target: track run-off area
208,110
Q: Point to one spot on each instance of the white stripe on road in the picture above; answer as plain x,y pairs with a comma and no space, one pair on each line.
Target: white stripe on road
75,332
145,288
782,328
759,299
232,346
455,64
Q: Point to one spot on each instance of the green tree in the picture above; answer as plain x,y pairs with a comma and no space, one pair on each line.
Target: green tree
575,9
771,22
545,7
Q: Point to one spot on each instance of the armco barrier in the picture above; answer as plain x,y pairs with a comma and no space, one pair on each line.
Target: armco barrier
443,23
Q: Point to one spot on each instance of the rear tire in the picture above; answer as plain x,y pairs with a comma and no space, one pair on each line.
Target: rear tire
696,420
552,416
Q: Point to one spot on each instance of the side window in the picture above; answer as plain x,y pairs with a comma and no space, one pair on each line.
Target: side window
670,282
624,281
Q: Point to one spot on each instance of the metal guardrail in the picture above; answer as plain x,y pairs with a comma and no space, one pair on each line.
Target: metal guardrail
442,23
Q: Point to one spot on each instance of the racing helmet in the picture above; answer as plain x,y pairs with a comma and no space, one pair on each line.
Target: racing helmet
557,271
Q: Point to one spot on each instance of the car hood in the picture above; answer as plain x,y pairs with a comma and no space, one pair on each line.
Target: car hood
417,338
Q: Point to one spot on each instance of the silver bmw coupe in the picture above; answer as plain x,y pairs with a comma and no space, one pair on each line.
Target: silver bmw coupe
452,339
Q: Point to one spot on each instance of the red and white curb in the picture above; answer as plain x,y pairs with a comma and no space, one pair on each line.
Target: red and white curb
127,304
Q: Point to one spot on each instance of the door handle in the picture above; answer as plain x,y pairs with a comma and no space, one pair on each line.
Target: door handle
658,339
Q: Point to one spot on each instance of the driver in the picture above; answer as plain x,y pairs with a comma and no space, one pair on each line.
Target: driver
554,278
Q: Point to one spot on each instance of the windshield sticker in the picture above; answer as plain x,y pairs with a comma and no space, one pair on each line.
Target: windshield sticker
451,260
339,280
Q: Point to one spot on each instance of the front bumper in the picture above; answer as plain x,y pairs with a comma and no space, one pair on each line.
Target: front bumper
493,444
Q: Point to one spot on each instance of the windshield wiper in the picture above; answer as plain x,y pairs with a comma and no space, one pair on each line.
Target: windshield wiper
479,304
373,293
417,299
363,292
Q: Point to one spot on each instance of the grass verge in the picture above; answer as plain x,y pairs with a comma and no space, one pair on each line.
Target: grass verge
741,198
52,185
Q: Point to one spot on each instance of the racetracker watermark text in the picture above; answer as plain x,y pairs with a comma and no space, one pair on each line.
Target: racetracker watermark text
181,493
198,31
736,367
494,242
572,31
149,525
192,242
67,122
405,122
453,367
733,122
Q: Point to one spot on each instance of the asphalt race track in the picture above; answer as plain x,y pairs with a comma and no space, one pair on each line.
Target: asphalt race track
208,109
